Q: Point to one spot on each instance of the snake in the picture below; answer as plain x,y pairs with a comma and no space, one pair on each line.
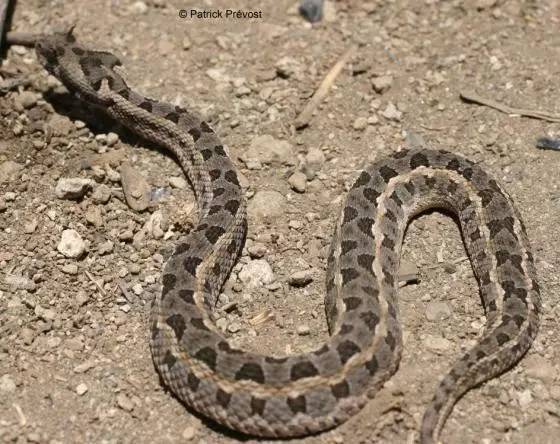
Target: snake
302,394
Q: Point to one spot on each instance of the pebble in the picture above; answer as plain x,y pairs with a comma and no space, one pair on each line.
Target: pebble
257,250
27,99
360,124
30,227
313,162
298,182
267,204
60,126
178,182
17,282
27,335
124,402
112,138
101,194
71,244
392,113
8,170
46,314
189,433
524,398
10,196
301,278
381,84
303,330
93,216
70,269
437,311
266,150
234,327
81,389
437,343
138,8
135,187
256,273
311,10
7,384
539,368
72,188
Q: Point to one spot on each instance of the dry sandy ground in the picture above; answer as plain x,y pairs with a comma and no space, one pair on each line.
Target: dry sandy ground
74,359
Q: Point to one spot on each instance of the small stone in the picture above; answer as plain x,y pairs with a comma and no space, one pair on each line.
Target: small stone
101,194
60,126
27,335
301,278
303,330
71,244
313,162
81,389
298,181
257,250
267,205
360,124
125,308
234,327
112,139
392,113
9,170
382,83
30,227
437,311
256,273
138,8
124,402
10,196
72,188
70,269
178,182
46,314
93,216
135,187
138,289
266,150
27,99
18,282
437,343
189,433
7,384
524,398
539,368
105,248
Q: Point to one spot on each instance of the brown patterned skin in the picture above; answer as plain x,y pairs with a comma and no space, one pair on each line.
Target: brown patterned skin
298,395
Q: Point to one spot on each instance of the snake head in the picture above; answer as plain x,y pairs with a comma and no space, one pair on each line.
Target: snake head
81,70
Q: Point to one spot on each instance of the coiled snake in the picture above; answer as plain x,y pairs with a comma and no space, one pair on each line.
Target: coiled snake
299,395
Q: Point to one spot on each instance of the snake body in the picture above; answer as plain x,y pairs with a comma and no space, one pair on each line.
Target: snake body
298,395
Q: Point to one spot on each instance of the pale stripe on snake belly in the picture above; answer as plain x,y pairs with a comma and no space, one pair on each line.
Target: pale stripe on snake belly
307,393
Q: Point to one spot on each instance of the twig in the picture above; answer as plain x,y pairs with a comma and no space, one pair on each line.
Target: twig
90,277
124,290
21,416
471,96
305,116
22,38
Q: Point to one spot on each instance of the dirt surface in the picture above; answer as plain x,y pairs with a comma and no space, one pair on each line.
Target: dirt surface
74,359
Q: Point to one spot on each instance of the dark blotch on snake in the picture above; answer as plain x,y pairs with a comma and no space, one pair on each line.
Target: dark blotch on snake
177,323
232,206
198,323
502,338
364,224
418,160
213,233
208,356
370,319
348,274
231,177
363,179
400,154
387,173
187,295
125,93
224,346
346,350
372,365
219,150
340,390
273,360
346,328
218,192
181,248
215,174
193,382
347,245
195,133
223,398
215,209
191,263
146,105
169,359
366,261
206,154
169,281
352,303
205,128
349,215
390,215
452,188
390,340
370,194
251,371
322,350
297,405
388,243
304,369
453,165
485,197
172,117
257,406
467,173
78,51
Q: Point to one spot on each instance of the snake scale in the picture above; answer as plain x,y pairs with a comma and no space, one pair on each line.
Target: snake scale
298,395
